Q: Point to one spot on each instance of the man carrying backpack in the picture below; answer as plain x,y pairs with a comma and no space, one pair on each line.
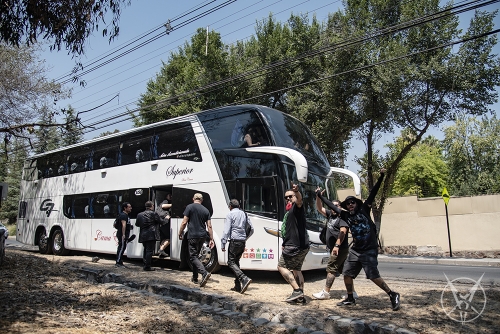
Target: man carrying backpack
336,243
295,244
123,229
234,229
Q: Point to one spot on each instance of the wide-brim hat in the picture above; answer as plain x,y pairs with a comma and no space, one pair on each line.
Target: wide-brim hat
348,198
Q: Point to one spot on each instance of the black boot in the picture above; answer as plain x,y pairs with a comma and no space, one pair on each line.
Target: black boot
237,286
245,282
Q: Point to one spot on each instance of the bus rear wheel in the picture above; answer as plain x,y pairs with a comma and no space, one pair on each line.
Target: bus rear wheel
208,257
58,243
44,243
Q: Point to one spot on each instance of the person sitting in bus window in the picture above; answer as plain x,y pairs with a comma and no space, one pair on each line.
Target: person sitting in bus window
61,170
103,162
251,138
139,155
74,167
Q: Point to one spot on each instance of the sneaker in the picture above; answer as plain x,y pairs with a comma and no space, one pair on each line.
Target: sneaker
296,294
120,265
347,302
204,279
301,300
395,300
354,294
162,253
322,295
149,269
245,282
194,280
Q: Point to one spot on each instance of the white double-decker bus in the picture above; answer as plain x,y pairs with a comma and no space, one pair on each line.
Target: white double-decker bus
71,196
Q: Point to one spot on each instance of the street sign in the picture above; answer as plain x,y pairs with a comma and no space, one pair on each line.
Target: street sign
446,196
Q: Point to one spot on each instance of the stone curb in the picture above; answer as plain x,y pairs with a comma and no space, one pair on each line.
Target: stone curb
225,306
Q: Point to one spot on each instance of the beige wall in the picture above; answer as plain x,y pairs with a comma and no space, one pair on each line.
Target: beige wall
474,222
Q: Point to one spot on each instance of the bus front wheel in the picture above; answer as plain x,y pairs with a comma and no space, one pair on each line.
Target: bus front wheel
58,243
44,244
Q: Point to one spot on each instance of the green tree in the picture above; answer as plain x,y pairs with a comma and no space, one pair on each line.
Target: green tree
69,23
71,133
26,97
12,169
423,171
422,82
185,83
472,152
47,137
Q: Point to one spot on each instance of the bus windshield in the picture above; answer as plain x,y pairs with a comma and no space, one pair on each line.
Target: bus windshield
291,133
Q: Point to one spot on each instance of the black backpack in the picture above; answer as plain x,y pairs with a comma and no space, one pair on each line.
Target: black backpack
116,223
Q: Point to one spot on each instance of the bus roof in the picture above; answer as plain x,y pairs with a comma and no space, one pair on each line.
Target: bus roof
189,117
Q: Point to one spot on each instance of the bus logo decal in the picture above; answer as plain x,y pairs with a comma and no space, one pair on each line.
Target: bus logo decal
173,171
138,192
47,206
100,237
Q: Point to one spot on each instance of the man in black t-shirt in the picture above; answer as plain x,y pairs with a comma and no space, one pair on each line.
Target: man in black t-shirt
295,244
364,250
197,219
123,232
336,243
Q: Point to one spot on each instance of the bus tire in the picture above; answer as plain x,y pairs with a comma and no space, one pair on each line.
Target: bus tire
44,242
208,257
58,243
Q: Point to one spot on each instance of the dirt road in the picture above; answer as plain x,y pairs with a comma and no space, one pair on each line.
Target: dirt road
45,294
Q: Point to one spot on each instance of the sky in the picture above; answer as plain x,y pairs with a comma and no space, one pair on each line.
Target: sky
114,88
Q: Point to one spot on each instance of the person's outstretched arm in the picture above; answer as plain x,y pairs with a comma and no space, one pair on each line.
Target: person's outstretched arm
328,203
375,188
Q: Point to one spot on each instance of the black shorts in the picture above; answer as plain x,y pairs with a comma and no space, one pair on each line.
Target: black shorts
165,231
366,260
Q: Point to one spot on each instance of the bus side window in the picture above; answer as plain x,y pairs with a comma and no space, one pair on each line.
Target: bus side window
134,150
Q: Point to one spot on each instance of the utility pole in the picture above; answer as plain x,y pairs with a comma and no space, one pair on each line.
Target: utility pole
206,43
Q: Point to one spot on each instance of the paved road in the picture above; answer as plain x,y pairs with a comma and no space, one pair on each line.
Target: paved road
396,268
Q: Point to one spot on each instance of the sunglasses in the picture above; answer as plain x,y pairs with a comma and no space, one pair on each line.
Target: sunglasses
289,196
351,202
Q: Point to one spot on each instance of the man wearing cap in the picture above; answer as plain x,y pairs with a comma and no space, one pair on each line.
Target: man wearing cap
197,219
364,250
234,229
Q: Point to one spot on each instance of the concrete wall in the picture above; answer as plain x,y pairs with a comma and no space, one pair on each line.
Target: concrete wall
474,222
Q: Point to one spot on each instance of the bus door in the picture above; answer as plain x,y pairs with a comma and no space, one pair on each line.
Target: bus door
258,198
159,195
25,232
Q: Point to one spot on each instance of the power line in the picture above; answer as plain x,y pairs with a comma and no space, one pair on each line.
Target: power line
107,78
271,66
330,48
288,62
